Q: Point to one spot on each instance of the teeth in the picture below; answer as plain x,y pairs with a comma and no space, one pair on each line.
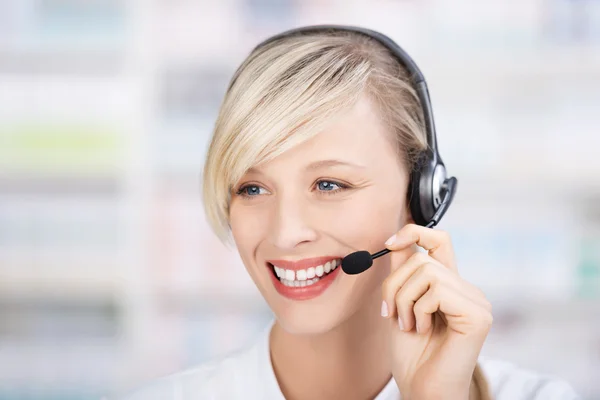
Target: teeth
289,274
305,277
319,270
299,283
301,275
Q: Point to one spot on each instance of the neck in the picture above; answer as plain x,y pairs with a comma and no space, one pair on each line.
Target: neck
350,362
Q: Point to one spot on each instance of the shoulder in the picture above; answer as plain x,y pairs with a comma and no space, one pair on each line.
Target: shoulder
228,377
509,382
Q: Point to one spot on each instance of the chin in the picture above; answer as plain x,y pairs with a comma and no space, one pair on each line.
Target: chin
301,319
318,315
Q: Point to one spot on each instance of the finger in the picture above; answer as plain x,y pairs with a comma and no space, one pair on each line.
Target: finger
462,315
437,271
393,283
437,243
425,277
434,272
424,309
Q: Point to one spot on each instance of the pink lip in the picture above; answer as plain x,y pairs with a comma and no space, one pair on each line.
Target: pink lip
303,264
307,292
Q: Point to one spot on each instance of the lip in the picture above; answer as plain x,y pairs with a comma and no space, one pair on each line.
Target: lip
303,264
306,292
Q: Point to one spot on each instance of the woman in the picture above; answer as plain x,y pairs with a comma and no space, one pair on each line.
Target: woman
314,149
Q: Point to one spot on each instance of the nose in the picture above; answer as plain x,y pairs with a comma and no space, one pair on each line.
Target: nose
291,224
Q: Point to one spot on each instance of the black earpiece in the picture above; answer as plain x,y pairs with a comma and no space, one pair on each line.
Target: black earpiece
426,188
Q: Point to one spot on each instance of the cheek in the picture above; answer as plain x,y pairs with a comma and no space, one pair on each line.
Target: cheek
246,228
368,220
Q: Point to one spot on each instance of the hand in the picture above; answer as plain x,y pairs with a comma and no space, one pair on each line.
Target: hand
439,322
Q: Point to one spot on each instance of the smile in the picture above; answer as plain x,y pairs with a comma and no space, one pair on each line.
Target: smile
305,279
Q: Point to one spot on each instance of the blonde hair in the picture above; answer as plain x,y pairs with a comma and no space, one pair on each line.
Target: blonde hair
285,93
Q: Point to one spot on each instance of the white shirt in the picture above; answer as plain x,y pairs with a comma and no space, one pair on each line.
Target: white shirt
248,374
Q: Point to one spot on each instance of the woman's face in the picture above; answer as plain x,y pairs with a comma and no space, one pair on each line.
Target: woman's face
294,218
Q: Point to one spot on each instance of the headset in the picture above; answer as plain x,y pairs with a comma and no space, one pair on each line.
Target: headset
431,191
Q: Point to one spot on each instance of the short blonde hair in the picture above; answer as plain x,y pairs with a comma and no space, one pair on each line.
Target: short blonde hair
285,92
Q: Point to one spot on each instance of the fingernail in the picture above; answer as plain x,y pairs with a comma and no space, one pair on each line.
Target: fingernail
400,324
384,309
417,327
391,240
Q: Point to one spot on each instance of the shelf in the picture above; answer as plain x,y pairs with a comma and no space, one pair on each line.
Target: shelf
39,367
538,64
211,300
89,185
50,149
67,103
60,320
46,284
61,62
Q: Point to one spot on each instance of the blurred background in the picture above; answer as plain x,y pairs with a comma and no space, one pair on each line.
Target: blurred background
109,275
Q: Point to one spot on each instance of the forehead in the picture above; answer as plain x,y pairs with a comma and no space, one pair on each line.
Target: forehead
358,136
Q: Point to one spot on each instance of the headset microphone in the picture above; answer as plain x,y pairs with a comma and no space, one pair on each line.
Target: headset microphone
360,261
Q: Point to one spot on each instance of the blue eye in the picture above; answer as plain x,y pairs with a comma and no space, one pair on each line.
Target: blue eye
250,190
328,186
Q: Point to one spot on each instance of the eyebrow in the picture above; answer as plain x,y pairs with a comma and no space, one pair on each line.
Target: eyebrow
331,163
320,164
